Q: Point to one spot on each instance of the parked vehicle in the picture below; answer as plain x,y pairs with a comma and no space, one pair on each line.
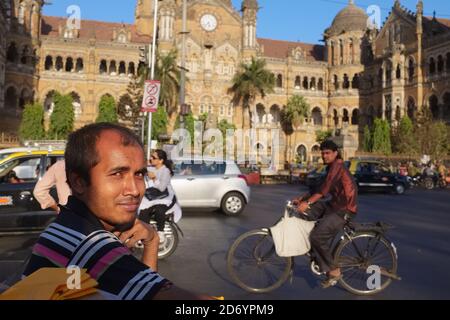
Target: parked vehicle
369,176
210,184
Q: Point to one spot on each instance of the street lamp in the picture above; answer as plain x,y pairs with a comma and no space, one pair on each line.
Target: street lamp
184,108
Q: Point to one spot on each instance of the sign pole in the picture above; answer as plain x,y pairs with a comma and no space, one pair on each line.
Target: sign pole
152,71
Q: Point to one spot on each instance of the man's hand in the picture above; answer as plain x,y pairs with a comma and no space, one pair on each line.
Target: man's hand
303,207
151,175
141,231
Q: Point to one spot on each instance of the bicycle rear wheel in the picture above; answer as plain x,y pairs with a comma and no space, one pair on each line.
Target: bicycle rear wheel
254,265
368,263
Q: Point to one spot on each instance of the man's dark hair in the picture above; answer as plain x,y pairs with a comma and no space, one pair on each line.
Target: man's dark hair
81,150
329,145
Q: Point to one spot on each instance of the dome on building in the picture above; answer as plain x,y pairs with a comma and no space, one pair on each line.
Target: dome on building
249,4
351,18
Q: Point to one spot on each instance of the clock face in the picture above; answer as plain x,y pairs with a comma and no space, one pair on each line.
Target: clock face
208,22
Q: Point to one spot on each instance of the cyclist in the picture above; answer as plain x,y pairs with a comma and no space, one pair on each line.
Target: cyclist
333,214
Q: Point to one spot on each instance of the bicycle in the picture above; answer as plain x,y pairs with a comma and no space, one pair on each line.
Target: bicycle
253,257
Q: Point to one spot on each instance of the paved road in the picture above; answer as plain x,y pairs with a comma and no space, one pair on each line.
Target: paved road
422,237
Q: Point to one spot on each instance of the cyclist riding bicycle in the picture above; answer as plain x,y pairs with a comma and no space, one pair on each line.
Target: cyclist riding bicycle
333,214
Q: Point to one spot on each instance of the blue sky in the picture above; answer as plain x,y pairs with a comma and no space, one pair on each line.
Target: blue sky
294,20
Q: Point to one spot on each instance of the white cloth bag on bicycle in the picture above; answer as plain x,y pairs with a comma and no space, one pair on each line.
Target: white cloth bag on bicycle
291,236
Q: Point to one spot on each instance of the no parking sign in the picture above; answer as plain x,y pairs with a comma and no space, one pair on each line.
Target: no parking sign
152,90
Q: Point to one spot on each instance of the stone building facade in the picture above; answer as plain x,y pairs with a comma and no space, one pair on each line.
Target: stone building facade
360,72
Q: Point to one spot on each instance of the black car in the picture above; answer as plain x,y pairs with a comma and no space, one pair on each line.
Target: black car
19,210
369,176
375,176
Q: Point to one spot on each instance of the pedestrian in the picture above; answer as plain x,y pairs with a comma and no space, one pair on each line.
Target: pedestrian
55,176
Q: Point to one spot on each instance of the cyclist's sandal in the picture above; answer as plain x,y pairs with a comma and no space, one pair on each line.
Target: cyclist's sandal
330,282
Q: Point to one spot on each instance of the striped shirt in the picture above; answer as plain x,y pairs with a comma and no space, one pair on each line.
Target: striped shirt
77,238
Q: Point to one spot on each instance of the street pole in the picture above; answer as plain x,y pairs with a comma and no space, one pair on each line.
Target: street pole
152,74
183,65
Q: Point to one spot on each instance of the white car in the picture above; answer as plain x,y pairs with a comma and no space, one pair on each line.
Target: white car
210,184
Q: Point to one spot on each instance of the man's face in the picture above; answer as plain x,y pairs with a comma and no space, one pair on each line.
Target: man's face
117,182
328,156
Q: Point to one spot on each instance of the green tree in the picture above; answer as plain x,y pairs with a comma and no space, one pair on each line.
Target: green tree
63,117
368,139
160,122
166,71
107,110
129,105
32,125
382,137
431,135
404,141
223,126
250,81
322,136
189,122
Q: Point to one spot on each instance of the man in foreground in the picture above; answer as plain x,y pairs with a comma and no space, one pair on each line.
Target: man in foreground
105,168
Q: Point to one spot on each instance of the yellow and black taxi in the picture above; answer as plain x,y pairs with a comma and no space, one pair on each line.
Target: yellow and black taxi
19,173
370,175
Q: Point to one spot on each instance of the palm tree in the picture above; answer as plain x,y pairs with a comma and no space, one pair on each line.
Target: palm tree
250,81
293,115
166,71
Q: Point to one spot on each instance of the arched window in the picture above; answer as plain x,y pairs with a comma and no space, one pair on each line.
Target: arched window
346,82
345,118
434,106
313,83
336,82
335,118
59,64
398,114
432,66
112,68
440,64
12,54
355,117
316,116
352,52
49,103
76,103
261,114
298,82
69,64
48,63
131,68
11,98
275,113
25,58
279,81
398,72
305,83
80,65
122,68
341,52
411,69
103,67
388,75
302,153
411,108
333,54
320,84
355,81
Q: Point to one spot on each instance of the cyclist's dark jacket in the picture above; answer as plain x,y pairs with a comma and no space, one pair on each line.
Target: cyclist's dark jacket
77,238
341,186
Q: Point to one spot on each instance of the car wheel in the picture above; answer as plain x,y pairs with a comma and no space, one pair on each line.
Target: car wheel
233,204
399,189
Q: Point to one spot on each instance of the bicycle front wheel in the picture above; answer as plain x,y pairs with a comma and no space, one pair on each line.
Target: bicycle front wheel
368,263
254,265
